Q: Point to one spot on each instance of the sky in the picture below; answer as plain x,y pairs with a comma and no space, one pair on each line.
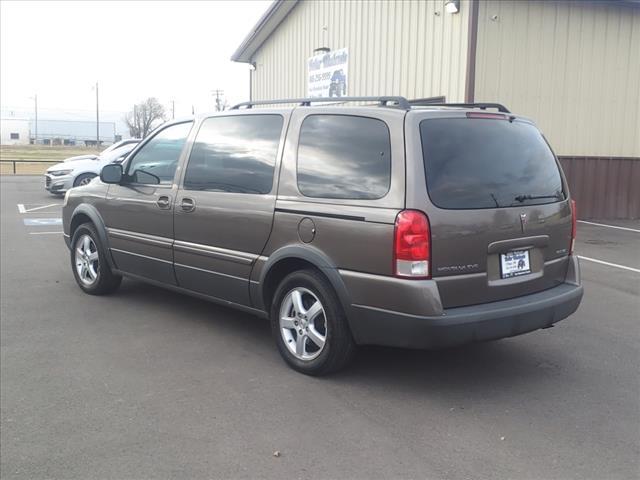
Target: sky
174,51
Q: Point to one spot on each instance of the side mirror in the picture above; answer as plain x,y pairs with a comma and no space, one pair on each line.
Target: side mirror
111,173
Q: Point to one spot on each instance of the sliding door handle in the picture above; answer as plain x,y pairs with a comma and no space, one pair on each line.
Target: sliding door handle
188,204
164,202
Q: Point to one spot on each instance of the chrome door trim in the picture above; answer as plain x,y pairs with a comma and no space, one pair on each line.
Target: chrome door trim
140,255
140,237
215,252
211,272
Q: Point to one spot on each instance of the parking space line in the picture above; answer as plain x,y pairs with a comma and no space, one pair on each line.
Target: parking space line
45,233
23,209
610,226
624,267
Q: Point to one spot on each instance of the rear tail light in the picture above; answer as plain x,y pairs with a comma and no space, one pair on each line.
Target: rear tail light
412,245
574,219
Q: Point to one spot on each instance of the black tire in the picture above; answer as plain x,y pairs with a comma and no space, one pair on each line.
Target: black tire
106,281
80,179
339,347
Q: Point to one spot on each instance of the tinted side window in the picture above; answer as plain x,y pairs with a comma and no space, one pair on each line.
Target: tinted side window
235,154
157,160
344,156
487,163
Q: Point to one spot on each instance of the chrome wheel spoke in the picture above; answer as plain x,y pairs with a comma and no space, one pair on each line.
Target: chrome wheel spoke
92,273
316,337
301,343
298,306
93,257
287,322
86,244
313,311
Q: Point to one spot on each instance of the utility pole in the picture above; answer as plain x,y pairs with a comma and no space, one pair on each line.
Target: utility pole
35,141
97,119
173,109
218,93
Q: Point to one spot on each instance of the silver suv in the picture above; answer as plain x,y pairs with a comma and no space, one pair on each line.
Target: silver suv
387,223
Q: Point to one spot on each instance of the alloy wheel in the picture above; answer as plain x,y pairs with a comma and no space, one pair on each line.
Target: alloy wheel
303,324
87,260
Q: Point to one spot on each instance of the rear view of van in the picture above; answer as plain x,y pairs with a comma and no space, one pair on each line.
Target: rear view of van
501,225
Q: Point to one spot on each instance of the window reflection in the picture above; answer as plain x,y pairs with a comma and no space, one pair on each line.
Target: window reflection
157,160
235,154
481,163
344,156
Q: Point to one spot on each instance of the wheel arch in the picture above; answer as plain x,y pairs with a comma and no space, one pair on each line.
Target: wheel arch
296,257
88,213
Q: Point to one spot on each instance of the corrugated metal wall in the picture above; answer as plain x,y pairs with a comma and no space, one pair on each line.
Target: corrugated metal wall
604,187
574,67
410,48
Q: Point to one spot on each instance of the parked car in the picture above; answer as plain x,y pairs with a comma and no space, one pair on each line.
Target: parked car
80,170
399,225
121,143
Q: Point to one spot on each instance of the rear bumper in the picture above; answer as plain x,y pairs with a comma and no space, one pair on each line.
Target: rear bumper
457,326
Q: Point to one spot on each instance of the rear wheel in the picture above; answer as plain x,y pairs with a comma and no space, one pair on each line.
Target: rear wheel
89,262
309,326
84,179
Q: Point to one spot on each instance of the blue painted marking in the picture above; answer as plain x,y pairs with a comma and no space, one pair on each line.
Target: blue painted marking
38,222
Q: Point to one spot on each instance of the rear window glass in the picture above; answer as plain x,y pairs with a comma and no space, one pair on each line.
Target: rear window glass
344,156
488,163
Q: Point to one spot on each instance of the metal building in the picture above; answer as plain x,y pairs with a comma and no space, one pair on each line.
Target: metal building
14,131
572,66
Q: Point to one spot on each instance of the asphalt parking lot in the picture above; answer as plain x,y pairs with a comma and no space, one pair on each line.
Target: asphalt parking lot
151,384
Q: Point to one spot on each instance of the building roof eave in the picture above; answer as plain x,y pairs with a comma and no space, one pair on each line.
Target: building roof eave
269,21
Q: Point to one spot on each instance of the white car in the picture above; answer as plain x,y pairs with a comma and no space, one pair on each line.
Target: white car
80,170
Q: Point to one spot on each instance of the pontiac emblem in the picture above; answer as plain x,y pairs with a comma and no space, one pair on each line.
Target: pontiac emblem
523,220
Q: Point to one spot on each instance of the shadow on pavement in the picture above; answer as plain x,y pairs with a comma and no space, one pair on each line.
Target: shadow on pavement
481,367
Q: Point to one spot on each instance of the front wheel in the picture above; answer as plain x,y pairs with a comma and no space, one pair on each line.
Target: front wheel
89,262
84,179
309,326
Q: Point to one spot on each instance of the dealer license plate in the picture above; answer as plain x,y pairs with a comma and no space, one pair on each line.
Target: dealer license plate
515,263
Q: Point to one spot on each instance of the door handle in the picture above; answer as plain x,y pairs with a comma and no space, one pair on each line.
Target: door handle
188,204
164,202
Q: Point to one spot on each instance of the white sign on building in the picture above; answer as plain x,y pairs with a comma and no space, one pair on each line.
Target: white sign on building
327,74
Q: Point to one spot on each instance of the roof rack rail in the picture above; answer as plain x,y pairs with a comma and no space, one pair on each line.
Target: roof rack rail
400,102
481,106
428,101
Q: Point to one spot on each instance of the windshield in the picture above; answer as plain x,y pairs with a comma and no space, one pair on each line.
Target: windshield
488,163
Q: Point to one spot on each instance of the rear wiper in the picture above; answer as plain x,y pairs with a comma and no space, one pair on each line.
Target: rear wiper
522,198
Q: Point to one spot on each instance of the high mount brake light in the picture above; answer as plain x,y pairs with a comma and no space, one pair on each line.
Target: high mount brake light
412,245
495,116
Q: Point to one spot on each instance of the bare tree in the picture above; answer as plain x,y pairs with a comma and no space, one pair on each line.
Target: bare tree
144,117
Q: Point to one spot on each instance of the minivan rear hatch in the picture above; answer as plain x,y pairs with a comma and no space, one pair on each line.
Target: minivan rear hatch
498,207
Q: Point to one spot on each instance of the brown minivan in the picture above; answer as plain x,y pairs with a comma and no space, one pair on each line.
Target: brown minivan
384,223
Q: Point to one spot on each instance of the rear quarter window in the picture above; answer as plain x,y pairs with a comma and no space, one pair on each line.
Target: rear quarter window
488,163
344,157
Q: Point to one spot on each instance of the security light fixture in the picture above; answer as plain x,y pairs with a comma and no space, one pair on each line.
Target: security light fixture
452,6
